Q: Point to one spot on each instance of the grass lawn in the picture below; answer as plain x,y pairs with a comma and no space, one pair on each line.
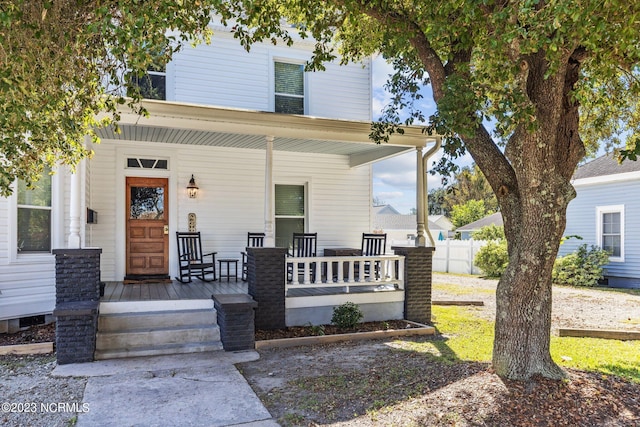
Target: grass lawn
470,338
456,289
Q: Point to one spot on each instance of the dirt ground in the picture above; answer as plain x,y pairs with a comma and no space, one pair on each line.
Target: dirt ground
384,383
590,308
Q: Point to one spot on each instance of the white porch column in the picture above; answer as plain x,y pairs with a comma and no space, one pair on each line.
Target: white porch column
269,238
421,239
74,210
75,203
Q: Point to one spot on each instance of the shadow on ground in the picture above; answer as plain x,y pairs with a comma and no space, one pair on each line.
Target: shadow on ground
398,383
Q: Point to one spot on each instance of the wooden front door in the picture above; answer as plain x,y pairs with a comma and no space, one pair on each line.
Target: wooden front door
147,227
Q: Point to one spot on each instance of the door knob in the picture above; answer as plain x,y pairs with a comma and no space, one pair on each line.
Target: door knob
166,229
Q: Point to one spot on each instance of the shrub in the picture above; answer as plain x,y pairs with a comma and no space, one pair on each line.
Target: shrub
489,232
346,315
492,258
580,268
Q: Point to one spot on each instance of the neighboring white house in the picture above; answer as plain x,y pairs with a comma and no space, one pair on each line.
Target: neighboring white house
401,229
466,231
605,213
271,147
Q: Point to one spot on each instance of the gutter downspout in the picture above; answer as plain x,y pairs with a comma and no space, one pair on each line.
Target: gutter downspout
423,199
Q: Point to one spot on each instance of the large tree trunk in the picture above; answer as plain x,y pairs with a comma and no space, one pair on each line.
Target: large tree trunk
531,180
533,199
523,296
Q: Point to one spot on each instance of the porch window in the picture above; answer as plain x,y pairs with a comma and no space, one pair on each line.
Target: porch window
34,215
289,88
290,213
611,231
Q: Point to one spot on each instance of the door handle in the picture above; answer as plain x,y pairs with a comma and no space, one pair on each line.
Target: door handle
166,229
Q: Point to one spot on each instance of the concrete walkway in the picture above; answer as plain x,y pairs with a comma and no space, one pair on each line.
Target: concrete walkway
199,389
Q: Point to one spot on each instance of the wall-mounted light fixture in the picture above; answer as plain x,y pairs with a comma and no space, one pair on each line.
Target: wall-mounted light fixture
192,188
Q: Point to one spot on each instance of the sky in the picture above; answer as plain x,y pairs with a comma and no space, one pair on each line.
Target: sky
394,179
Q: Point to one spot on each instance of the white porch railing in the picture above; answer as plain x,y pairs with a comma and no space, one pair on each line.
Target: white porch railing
344,272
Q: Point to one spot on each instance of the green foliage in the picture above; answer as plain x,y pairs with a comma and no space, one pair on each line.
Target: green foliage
489,232
493,258
346,315
471,210
470,184
64,62
436,202
316,330
580,268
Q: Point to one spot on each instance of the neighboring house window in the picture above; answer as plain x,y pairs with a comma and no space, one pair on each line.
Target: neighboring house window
289,88
34,215
610,229
290,213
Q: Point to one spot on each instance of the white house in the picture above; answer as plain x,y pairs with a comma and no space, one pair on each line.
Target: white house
271,147
401,229
466,231
605,213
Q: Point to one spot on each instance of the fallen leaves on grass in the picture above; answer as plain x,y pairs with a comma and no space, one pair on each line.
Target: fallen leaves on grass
376,384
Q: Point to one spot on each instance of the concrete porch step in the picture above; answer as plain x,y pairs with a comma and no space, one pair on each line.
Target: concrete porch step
158,350
156,336
147,328
155,305
112,322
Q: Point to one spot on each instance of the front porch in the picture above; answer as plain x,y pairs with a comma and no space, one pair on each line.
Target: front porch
119,292
173,317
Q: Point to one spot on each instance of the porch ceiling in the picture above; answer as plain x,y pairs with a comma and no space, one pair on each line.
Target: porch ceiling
178,123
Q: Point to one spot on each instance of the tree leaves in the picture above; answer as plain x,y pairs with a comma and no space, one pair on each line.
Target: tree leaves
63,63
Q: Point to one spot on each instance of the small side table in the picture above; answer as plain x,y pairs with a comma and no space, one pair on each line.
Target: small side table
341,252
228,262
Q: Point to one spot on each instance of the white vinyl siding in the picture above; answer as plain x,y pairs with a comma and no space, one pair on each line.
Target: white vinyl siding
582,220
230,201
102,196
224,74
27,280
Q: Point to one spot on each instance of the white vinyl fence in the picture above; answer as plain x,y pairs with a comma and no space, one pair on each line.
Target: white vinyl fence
456,256
453,256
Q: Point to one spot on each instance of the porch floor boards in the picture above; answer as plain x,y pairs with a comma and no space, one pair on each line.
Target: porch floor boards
306,292
117,291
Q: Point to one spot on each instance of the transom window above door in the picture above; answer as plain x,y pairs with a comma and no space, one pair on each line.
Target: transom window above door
289,88
143,163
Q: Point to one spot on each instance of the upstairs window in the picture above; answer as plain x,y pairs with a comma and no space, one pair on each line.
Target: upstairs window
611,231
34,215
289,88
152,85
